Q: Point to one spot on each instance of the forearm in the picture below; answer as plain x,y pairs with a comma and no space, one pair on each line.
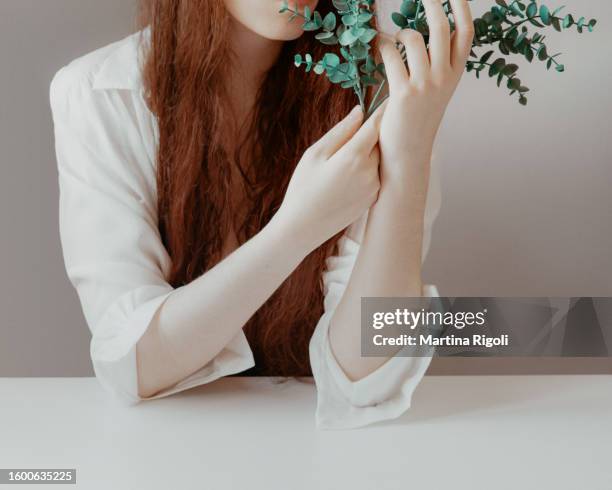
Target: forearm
198,320
388,265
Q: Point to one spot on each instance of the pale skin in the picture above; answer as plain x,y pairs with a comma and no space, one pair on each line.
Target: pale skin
381,165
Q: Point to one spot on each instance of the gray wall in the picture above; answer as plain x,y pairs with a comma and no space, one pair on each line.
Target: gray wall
526,190
527,199
42,331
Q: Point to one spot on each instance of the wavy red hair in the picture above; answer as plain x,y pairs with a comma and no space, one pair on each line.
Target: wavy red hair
185,74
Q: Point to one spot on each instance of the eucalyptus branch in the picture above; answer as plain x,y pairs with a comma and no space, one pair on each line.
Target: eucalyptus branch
351,29
505,28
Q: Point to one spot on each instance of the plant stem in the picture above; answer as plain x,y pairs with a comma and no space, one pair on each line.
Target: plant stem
359,93
519,23
359,88
374,102
418,12
378,104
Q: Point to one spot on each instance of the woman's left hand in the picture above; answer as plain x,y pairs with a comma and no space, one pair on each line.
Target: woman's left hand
420,94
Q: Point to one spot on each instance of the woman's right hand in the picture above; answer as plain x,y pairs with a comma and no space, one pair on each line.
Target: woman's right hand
335,182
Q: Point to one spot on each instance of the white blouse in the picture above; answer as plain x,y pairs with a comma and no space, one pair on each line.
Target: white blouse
106,140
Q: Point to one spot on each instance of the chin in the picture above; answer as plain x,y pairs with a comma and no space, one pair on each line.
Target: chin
264,19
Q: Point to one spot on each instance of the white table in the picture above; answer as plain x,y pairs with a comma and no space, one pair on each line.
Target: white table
519,433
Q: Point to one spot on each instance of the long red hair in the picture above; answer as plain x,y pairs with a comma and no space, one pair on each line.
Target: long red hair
185,74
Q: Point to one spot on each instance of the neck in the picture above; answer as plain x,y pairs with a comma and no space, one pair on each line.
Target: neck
254,56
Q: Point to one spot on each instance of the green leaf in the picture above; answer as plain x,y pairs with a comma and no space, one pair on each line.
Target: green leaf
368,36
520,39
332,41
370,66
510,70
359,51
321,36
349,20
487,56
514,7
558,10
365,17
369,81
330,22
331,60
514,83
545,15
350,83
542,53
497,67
532,10
399,20
310,26
348,37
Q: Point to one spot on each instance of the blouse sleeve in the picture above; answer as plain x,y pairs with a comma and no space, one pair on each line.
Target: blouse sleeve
387,392
112,248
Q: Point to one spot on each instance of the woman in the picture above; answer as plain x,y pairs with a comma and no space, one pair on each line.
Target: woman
218,215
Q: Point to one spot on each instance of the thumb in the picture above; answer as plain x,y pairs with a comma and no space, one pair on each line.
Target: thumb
366,138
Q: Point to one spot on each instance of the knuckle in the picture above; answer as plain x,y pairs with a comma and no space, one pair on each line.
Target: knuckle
420,87
429,84
404,94
424,85
409,36
442,77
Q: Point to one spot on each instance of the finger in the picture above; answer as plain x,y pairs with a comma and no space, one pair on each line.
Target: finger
439,34
416,54
463,35
367,137
397,74
340,134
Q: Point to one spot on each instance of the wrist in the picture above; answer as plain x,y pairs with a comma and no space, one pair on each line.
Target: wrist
407,177
406,192
290,235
